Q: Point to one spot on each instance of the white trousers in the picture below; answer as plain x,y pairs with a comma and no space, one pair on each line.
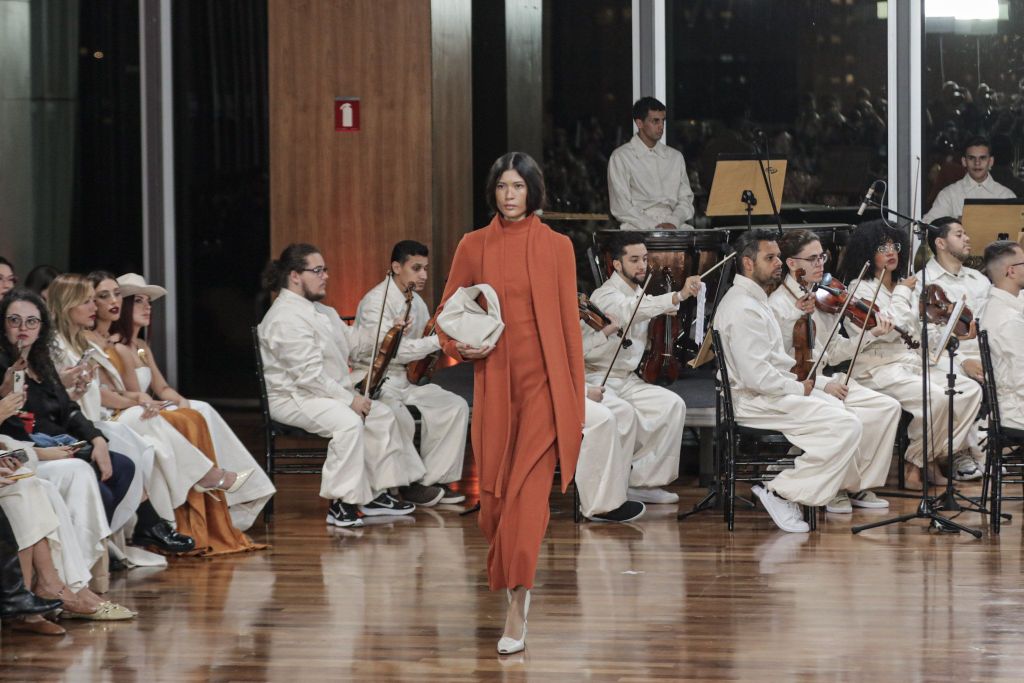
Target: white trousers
828,434
660,415
444,421
74,481
902,381
879,416
126,441
363,458
175,466
606,453
246,503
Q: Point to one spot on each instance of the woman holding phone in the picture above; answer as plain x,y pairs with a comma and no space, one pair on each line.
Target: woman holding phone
142,376
24,347
533,406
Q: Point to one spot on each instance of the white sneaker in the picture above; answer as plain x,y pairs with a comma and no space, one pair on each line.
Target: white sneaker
786,514
868,499
840,505
965,467
652,495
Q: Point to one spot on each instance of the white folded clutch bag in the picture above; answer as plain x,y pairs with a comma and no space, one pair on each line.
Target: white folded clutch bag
464,320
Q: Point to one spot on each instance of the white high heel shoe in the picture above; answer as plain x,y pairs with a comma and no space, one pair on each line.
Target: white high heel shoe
510,646
240,479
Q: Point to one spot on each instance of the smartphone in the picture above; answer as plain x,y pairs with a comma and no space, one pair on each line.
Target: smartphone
19,381
20,455
78,445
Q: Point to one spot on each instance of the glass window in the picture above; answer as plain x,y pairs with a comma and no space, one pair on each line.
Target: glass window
810,74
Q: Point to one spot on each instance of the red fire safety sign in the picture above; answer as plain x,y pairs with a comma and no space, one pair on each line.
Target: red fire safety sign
346,114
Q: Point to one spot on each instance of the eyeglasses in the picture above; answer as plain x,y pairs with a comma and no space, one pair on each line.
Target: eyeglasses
16,321
889,248
1014,265
821,258
319,271
12,280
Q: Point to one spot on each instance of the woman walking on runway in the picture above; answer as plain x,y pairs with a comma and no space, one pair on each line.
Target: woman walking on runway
531,415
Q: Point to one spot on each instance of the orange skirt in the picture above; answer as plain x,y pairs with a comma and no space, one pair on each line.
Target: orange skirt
205,517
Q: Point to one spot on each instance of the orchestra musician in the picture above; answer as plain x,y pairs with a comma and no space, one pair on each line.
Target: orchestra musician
648,188
660,413
1004,322
977,182
444,415
888,366
305,348
767,395
793,303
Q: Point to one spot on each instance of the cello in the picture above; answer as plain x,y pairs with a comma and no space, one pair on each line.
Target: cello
659,364
386,350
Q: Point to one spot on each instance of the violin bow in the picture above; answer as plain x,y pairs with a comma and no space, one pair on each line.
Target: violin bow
717,266
376,339
835,328
860,340
625,331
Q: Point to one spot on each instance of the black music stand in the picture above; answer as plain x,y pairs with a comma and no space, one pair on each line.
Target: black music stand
739,187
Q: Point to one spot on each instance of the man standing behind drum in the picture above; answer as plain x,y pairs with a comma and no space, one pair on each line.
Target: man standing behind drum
648,188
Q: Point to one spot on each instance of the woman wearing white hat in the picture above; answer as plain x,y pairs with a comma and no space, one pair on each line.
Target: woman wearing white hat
245,497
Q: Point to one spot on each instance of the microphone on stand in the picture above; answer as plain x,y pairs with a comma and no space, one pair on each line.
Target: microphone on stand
867,198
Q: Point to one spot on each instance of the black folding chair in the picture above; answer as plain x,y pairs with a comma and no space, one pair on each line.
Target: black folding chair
745,453
998,439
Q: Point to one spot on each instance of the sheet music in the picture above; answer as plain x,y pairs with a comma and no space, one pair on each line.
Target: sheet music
947,331
702,300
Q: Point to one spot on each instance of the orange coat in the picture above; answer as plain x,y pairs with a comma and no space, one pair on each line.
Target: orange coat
553,284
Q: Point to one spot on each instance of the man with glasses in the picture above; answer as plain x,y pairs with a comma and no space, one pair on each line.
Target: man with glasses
8,280
306,348
767,395
1004,322
977,183
793,302
444,415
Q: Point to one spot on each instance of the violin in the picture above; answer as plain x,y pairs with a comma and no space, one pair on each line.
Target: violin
422,369
371,385
937,308
595,319
803,336
829,296
659,364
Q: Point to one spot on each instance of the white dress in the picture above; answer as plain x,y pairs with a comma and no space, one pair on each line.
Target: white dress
246,503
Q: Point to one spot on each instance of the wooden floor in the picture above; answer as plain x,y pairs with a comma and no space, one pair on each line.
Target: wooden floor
655,600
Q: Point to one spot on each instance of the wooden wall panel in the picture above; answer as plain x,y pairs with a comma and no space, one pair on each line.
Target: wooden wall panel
451,29
352,194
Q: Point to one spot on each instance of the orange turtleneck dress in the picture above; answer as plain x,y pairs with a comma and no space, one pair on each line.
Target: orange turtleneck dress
528,394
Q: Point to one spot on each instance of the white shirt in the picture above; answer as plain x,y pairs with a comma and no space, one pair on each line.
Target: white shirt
968,282
648,186
950,201
783,305
413,346
617,298
1004,321
752,341
305,348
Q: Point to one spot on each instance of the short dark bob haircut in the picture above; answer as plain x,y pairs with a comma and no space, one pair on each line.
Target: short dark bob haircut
525,166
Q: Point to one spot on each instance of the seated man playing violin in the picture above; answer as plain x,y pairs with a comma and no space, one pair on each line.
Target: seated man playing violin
889,364
305,348
660,414
807,335
767,395
1004,322
444,415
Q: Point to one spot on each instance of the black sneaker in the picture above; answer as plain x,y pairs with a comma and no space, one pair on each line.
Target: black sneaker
418,494
386,504
451,497
626,512
343,514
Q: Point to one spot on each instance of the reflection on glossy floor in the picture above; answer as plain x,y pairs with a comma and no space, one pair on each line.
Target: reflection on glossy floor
655,600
